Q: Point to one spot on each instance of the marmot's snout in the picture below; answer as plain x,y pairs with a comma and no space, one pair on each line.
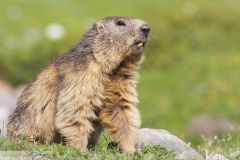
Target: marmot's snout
145,29
143,34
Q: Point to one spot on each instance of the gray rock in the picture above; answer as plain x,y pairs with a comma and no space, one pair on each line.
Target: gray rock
211,126
151,137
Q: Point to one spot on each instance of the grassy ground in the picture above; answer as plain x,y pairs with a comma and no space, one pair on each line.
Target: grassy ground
101,152
191,68
226,145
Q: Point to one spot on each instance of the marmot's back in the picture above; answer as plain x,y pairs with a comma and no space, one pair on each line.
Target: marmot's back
36,106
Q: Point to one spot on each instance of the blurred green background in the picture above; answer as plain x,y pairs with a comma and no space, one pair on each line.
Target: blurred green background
192,64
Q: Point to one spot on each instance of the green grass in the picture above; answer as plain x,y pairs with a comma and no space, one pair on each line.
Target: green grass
226,145
101,152
201,83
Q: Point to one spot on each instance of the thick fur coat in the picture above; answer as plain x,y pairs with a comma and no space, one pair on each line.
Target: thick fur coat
90,87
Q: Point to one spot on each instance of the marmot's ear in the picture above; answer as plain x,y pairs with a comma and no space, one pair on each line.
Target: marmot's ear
100,26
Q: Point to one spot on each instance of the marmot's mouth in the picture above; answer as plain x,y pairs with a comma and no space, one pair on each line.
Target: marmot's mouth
140,43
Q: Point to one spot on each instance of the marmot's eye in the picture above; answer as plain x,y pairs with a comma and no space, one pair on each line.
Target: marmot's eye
120,23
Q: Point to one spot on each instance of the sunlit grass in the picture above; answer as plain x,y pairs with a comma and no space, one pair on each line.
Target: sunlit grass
101,152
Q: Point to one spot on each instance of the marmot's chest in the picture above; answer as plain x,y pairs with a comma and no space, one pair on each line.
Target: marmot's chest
82,90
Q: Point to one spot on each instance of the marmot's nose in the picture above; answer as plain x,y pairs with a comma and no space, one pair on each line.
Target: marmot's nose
145,29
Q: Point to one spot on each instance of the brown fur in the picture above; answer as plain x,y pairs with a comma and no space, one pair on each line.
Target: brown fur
94,84
119,114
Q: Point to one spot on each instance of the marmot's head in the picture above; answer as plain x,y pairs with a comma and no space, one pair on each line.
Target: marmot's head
119,37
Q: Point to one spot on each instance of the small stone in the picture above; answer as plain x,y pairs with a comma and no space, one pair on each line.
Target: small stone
147,137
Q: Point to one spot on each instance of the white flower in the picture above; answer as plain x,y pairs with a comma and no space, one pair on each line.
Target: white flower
54,31
213,156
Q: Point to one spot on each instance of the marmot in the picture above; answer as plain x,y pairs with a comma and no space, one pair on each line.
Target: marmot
91,86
